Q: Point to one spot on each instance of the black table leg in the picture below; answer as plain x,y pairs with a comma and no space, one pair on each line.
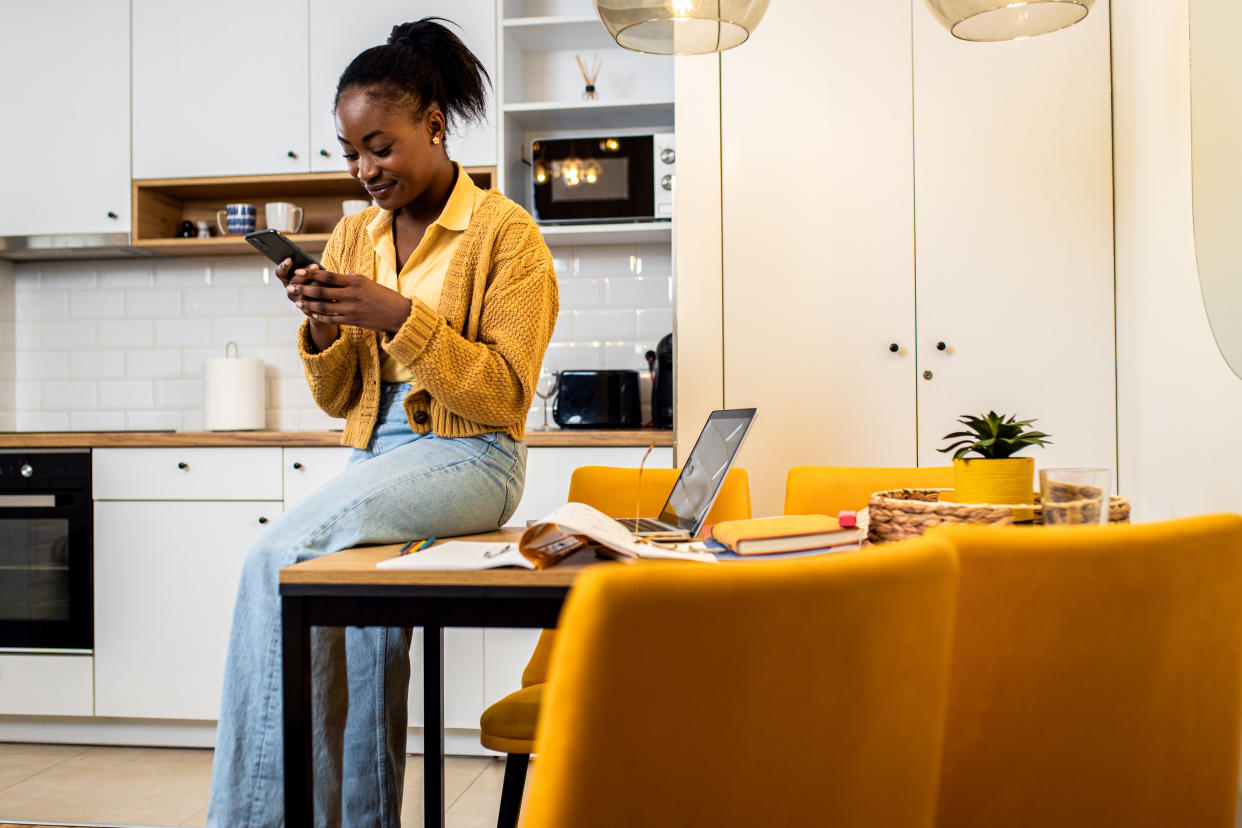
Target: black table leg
299,776
433,726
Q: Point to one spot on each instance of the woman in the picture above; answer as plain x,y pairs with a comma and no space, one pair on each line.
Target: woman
425,330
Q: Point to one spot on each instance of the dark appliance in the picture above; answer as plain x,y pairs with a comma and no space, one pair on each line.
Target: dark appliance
591,180
597,399
662,385
46,544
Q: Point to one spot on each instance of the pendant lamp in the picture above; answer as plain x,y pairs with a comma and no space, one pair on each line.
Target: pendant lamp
988,20
680,27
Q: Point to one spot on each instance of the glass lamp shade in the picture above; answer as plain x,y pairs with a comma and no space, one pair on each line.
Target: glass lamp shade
989,20
680,27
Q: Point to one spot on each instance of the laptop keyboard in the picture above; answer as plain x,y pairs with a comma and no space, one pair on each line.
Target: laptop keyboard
642,525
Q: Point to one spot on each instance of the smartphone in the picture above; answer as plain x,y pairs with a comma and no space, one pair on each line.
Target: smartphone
277,247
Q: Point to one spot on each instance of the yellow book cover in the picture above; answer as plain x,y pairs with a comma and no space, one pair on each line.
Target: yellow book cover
787,533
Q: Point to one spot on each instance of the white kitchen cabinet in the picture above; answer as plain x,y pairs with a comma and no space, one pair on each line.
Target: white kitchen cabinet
166,577
64,152
186,474
218,92
946,192
45,684
306,469
339,31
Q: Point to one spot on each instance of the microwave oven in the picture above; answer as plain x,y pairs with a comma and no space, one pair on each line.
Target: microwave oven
603,179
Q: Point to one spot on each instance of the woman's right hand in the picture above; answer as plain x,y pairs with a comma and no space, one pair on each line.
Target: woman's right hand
322,333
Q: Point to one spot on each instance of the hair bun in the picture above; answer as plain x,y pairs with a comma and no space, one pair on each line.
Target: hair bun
417,34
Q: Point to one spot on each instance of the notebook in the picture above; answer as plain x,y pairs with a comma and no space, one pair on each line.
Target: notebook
701,477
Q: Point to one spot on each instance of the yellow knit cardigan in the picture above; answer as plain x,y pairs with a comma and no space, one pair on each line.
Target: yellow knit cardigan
477,355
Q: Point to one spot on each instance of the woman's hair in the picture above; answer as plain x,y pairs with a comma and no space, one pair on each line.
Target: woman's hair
422,63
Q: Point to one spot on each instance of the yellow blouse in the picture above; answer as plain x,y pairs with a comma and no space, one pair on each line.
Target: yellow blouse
422,276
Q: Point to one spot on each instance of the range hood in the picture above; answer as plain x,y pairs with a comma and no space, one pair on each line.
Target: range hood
69,246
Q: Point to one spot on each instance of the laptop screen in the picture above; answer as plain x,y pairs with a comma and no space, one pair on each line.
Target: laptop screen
706,467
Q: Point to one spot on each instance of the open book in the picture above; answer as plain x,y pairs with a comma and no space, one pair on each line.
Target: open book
559,534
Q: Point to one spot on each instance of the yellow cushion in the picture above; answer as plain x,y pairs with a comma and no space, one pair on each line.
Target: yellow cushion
509,724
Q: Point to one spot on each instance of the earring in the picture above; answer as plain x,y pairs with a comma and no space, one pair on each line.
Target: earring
435,140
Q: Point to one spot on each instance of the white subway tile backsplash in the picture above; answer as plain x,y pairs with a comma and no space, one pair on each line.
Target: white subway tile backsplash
654,323
283,330
282,360
182,333
562,261
604,260
96,365
8,421
97,420
625,355
8,336
173,273
127,394
66,336
152,420
604,324
179,393
564,330
152,364
96,304
42,365
281,419
581,293
290,392
41,304
315,420
653,260
244,331
192,360
192,419
574,355
238,271
125,333
212,301
125,274
8,373
26,335
69,396
639,291
267,300
67,275
42,421
156,303
28,396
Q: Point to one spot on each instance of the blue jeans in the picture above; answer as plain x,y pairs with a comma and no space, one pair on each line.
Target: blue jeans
404,486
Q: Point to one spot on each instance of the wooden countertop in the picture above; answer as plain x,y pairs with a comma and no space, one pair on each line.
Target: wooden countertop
213,439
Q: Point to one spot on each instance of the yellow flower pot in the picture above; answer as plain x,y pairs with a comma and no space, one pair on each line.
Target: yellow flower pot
1009,480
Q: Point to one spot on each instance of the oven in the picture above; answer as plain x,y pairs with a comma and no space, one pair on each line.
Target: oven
46,550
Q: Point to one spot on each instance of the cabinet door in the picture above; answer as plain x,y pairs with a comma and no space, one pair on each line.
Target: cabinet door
64,151
166,578
219,89
817,229
1013,199
339,31
306,469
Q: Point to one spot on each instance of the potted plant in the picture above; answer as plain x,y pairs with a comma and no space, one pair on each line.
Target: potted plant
994,475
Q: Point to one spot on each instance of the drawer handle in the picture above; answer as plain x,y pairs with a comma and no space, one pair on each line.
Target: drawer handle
262,520
297,466
183,466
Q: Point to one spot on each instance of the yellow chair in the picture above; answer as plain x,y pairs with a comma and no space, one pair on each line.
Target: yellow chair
1096,676
509,724
786,693
828,490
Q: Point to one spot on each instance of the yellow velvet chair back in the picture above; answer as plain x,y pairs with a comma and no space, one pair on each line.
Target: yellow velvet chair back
828,490
614,491
1097,676
801,692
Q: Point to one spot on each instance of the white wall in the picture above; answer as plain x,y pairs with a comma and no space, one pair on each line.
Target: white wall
120,345
1179,405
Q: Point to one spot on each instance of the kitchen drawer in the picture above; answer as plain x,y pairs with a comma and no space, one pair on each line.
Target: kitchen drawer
46,685
187,474
306,469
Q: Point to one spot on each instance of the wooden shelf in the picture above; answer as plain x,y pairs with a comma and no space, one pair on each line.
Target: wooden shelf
160,205
647,232
550,115
547,34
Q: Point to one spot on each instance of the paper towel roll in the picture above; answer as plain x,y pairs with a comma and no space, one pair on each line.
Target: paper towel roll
234,394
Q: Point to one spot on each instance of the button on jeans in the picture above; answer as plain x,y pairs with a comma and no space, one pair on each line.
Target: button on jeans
404,486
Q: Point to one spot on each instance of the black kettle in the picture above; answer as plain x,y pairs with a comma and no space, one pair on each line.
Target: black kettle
662,385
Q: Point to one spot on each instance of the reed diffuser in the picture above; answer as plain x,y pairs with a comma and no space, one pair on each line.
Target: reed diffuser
588,78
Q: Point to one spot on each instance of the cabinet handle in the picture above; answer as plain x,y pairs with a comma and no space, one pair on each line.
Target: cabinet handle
927,375
112,214
325,153
940,346
292,154
297,466
894,347
262,520
183,466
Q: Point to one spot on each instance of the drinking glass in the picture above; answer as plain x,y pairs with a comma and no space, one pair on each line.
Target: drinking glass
546,387
1074,495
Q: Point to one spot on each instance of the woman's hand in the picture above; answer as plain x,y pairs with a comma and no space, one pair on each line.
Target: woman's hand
347,299
323,334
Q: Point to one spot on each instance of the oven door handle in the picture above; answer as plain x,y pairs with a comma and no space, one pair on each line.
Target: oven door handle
27,501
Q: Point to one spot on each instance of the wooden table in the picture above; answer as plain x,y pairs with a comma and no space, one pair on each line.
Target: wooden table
345,589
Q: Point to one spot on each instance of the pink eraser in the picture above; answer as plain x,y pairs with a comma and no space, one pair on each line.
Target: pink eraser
847,519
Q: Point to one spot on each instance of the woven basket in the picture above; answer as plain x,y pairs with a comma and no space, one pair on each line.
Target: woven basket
897,514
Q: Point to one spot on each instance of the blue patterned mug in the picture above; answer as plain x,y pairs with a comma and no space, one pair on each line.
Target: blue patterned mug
236,218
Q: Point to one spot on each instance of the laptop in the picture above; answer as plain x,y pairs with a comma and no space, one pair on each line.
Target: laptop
701,477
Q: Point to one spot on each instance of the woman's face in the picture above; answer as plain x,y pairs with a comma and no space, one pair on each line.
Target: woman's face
386,150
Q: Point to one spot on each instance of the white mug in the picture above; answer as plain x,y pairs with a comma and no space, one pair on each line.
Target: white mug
354,205
284,216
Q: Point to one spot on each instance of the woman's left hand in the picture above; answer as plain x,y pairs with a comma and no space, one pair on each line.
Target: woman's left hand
350,299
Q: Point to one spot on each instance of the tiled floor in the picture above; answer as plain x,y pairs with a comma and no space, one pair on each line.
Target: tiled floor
168,787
